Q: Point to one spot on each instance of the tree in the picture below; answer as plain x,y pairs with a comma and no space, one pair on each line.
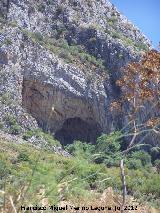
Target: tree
140,85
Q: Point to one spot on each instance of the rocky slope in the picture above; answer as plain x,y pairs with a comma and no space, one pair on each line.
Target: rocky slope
59,61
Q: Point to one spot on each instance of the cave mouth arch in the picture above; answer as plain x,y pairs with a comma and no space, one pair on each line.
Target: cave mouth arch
78,129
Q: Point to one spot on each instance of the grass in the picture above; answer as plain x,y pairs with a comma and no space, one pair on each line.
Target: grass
26,171
41,135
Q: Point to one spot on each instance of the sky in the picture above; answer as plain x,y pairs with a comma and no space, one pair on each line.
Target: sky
145,14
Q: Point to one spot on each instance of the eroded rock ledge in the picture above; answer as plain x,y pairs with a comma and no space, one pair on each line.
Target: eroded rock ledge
59,111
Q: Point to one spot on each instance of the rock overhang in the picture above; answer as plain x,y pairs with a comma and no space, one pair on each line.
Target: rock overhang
61,112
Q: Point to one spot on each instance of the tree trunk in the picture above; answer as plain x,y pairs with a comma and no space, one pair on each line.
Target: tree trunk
123,178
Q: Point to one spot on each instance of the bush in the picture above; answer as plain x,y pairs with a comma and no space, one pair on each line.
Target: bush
112,161
38,133
112,20
109,144
81,149
15,129
65,55
108,149
134,163
23,157
142,46
38,36
5,98
115,35
8,41
143,156
10,119
4,171
68,178
151,186
27,135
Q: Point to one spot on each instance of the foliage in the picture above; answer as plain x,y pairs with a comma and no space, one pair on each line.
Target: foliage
140,88
5,98
38,133
109,143
10,120
140,81
142,46
70,53
28,170
22,157
80,149
108,149
15,129
143,156
134,163
112,20
28,134
7,41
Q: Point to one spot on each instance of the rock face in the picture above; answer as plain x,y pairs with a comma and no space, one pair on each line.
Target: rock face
59,61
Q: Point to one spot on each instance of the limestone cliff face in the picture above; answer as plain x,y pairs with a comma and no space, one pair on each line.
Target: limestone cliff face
59,61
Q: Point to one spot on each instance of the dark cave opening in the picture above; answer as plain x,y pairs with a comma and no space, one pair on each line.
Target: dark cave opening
77,129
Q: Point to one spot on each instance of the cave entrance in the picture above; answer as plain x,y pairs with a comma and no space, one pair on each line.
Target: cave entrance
77,129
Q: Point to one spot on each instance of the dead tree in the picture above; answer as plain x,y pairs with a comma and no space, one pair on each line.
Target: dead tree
123,178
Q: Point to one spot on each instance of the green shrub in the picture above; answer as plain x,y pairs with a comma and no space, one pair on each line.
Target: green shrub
134,163
112,20
15,129
142,46
10,119
143,156
128,41
8,41
70,53
38,133
27,135
151,186
38,36
23,157
81,149
65,55
4,170
115,34
108,149
109,144
113,161
5,98
68,178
